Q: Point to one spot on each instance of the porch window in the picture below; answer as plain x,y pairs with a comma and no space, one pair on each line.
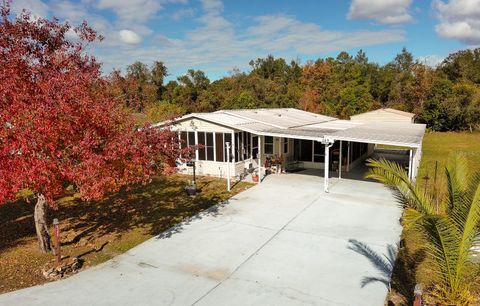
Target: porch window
184,140
201,142
285,145
246,145
255,147
209,146
219,147
303,150
206,140
318,152
237,146
191,138
268,147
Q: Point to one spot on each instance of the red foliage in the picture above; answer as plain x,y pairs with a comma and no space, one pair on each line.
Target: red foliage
58,124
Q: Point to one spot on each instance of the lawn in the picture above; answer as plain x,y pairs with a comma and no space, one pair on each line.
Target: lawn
411,266
98,231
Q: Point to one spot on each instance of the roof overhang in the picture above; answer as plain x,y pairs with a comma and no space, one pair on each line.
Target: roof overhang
386,133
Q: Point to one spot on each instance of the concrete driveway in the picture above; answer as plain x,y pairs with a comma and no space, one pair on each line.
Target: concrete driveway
283,242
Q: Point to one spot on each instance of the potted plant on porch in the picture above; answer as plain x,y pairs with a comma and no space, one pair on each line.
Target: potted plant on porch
255,177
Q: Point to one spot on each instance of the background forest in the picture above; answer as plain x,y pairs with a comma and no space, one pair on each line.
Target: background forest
446,98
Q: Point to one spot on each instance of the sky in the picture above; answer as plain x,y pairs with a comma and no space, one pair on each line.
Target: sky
221,36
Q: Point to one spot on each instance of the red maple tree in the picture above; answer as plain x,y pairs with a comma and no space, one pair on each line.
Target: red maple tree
58,124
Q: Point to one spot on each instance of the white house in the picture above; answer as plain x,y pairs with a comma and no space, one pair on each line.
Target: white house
298,138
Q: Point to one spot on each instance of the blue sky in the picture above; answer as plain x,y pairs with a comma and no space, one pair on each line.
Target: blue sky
218,36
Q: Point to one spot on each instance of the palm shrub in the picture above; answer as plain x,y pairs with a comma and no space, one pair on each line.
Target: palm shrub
450,230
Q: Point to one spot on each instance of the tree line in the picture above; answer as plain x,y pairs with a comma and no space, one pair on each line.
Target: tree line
446,98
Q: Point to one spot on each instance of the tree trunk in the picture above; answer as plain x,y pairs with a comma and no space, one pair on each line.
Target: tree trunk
41,227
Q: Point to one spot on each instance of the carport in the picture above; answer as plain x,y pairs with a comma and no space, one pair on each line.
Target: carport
403,136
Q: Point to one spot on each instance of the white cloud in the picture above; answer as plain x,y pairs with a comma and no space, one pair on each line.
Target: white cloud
183,13
130,37
36,7
459,19
216,44
382,11
212,6
132,10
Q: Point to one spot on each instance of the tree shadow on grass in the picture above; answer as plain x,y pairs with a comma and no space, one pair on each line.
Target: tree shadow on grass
153,209
397,268
16,223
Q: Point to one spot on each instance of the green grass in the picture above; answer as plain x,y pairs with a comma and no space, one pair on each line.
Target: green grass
438,147
412,266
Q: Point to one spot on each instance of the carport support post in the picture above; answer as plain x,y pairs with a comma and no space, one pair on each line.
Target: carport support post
410,164
259,159
233,153
326,162
340,162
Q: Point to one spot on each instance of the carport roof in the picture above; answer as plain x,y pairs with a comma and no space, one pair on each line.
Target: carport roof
399,134
294,123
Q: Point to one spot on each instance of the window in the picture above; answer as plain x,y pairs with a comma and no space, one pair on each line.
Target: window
237,146
219,147
285,145
303,150
209,146
255,147
268,147
246,145
184,140
318,152
191,138
201,142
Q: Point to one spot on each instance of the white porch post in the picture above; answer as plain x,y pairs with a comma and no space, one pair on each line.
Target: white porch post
410,164
197,154
326,163
233,152
340,162
227,144
259,159
414,165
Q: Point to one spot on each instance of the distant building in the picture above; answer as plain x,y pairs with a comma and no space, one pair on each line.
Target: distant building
384,115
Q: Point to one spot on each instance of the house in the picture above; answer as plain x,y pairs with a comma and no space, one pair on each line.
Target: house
298,138
384,115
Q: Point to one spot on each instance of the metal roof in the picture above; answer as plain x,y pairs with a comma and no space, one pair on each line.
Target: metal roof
403,134
279,117
293,123
388,110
